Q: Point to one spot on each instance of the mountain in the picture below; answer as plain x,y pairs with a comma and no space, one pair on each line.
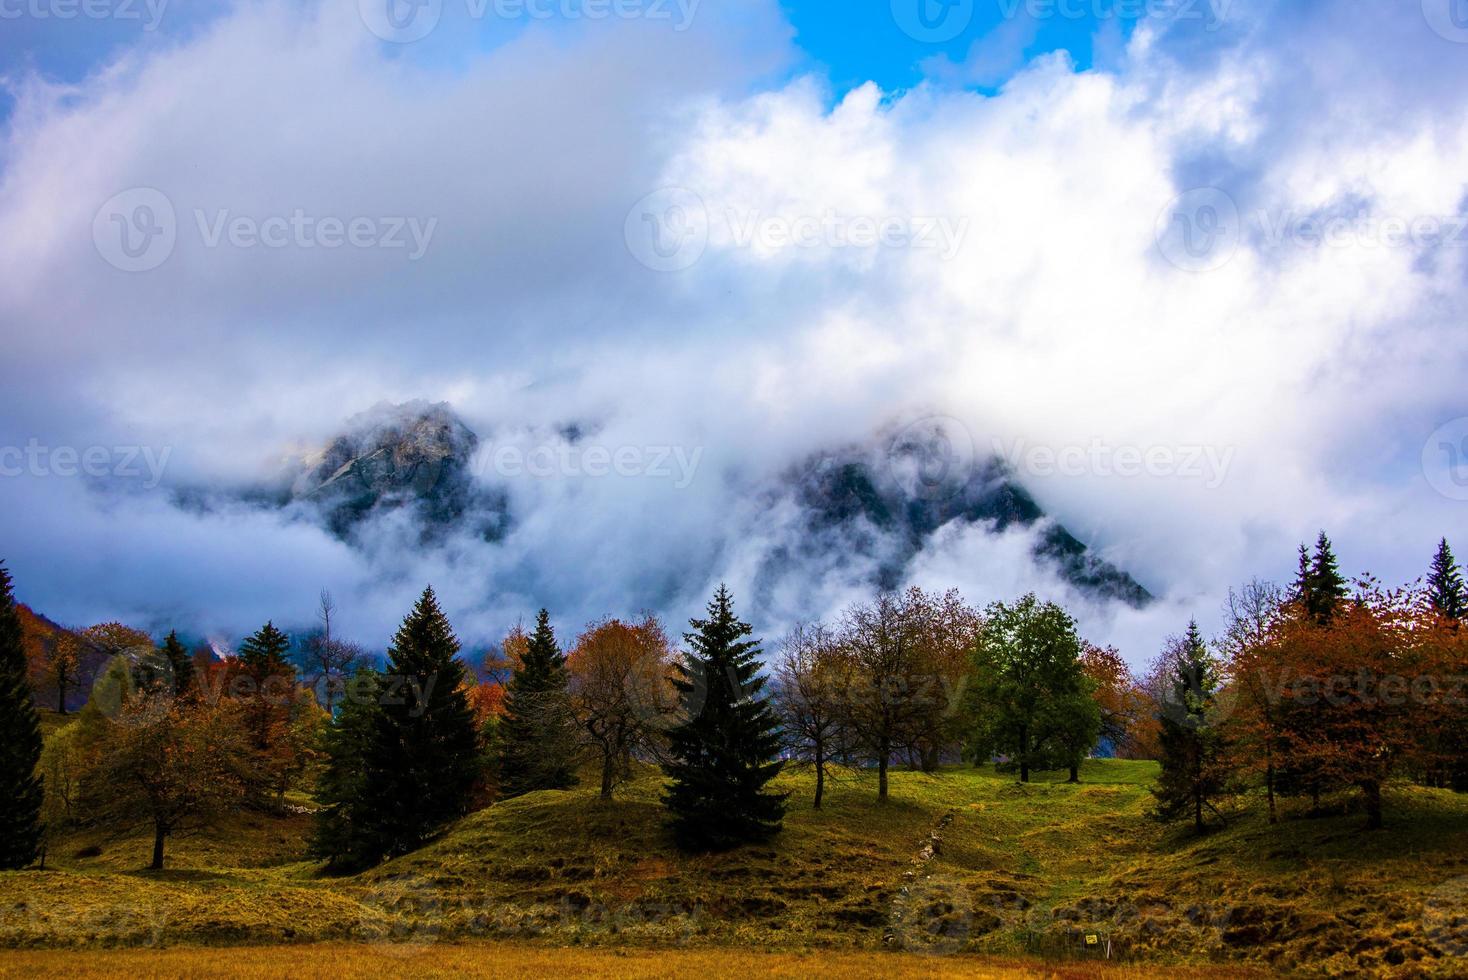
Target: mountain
875,505
415,455
926,479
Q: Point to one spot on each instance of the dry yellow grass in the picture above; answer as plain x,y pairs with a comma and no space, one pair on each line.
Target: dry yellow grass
339,960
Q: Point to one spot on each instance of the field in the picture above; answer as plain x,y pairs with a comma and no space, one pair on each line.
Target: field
966,867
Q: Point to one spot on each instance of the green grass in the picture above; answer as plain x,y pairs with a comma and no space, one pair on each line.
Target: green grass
1020,871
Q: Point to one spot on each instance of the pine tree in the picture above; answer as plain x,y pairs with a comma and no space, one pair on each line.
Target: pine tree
1302,591
339,836
1193,750
179,663
537,735
1327,585
724,752
1445,585
262,658
20,743
423,758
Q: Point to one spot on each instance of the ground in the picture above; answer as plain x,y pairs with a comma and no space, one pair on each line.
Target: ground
966,866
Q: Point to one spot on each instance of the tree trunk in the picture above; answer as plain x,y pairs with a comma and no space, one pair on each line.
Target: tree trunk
1198,813
820,776
608,768
157,864
884,750
1269,788
61,695
1075,773
1024,755
1373,804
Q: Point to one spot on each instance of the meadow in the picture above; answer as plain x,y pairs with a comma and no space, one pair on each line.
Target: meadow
965,870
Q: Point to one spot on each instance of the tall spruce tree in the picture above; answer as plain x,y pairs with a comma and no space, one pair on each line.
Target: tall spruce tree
725,751
1327,585
1445,584
422,760
179,662
20,743
538,734
340,836
1194,754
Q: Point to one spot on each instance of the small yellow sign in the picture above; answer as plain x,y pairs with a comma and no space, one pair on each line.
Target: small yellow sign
1092,939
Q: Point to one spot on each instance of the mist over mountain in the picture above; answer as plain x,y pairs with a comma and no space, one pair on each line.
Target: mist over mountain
402,482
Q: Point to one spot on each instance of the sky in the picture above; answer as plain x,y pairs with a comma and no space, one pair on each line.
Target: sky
1197,270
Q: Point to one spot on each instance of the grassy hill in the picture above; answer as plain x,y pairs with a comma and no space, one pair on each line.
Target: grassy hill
962,863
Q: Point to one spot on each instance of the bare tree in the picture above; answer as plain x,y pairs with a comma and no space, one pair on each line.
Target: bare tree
807,692
329,659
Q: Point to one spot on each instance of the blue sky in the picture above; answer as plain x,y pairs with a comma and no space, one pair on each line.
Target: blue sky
848,42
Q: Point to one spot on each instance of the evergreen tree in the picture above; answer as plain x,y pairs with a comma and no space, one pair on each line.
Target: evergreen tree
725,751
1327,585
1302,592
179,663
422,760
1445,585
538,735
262,658
20,743
340,823
1193,750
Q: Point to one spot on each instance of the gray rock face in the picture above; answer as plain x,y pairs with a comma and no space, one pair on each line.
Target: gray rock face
394,456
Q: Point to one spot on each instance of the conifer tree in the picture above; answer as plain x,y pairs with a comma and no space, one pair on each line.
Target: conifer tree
538,735
1327,585
262,659
340,836
180,663
725,750
422,761
20,743
1193,750
1445,585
